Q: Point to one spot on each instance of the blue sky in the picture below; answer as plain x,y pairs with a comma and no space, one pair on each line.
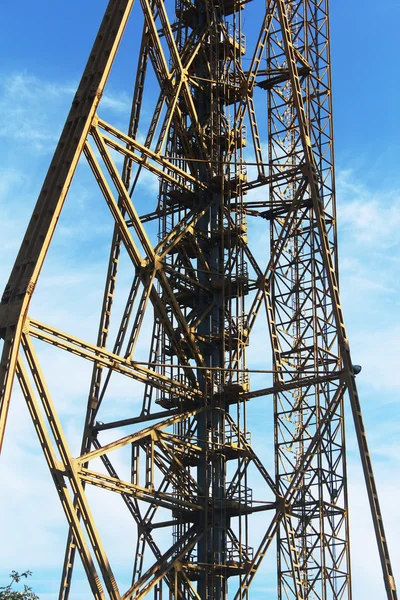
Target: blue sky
43,49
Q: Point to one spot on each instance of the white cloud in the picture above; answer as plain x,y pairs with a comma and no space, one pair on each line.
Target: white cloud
368,216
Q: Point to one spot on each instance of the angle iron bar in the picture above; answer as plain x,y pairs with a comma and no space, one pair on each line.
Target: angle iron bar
134,437
164,565
54,466
147,154
22,282
69,467
91,352
119,486
95,395
139,262
286,500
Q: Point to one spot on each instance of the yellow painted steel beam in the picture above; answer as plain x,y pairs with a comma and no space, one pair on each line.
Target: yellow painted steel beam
16,298
114,484
163,566
57,472
93,353
156,39
135,437
68,469
145,155
285,501
330,269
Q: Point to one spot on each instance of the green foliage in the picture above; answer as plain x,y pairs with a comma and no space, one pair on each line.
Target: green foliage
7,593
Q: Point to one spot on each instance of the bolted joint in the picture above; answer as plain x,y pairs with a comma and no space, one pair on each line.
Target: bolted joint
282,506
261,283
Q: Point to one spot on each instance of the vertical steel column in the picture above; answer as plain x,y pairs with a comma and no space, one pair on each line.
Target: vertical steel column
305,319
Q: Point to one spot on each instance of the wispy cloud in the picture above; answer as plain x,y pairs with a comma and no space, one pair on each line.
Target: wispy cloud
33,110
29,108
368,216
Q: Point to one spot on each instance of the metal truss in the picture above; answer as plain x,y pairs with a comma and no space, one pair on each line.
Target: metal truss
191,461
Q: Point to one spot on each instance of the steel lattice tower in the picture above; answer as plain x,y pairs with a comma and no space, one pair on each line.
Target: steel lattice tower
191,460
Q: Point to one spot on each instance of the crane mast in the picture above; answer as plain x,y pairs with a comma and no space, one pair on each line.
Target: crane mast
240,142
305,323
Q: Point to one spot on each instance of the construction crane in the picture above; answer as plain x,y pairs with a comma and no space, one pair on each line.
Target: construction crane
240,141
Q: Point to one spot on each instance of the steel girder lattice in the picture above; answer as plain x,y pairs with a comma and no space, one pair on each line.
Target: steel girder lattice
191,463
